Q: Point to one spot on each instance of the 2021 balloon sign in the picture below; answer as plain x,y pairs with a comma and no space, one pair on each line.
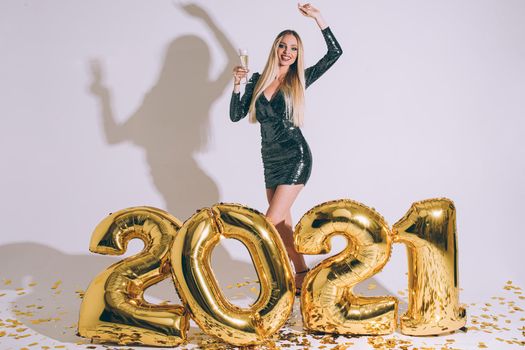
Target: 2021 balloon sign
114,309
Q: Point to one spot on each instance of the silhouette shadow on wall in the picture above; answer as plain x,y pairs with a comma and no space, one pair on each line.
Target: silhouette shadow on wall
172,123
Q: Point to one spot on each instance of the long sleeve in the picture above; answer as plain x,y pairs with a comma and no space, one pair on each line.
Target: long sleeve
239,106
334,52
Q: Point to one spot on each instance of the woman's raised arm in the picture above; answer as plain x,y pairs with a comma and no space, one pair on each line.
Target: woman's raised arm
334,50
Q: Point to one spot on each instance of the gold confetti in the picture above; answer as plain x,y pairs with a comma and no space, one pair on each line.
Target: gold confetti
56,284
7,282
485,317
40,320
22,336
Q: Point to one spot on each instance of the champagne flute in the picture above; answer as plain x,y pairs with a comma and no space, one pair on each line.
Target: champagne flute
243,55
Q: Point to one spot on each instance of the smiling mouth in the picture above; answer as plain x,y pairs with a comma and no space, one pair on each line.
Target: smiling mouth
286,58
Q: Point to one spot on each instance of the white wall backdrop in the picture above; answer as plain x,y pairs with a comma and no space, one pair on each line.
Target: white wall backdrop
111,104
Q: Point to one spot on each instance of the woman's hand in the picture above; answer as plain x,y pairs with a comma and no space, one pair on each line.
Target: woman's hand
239,73
309,11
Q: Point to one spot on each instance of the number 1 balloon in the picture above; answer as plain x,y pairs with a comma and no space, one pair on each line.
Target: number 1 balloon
428,230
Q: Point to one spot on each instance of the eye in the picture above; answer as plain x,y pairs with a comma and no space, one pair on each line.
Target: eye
282,46
294,49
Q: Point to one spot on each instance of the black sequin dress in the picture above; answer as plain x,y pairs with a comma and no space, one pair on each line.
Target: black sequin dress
286,156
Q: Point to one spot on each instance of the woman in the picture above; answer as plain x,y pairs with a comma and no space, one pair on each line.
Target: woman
275,99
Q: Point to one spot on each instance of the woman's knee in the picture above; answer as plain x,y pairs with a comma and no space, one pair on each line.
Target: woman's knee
288,219
269,194
275,218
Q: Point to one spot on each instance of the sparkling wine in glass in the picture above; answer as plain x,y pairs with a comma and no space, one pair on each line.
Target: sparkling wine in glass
243,55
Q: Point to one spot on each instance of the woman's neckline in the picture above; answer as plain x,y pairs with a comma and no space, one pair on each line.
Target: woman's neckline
273,95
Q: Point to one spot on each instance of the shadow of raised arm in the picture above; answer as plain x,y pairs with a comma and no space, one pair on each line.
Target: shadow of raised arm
231,55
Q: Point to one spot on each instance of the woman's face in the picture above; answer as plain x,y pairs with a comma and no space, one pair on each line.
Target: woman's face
287,50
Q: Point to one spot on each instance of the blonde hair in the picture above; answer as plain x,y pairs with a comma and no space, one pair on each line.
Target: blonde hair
293,85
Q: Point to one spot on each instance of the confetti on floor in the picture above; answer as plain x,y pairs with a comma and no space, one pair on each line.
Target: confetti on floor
47,320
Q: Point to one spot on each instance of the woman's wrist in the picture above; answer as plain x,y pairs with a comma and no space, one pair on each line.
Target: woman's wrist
321,22
236,86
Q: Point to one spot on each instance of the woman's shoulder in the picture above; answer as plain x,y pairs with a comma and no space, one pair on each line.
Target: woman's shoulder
255,77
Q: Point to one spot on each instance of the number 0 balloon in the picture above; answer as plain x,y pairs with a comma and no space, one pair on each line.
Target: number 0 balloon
198,288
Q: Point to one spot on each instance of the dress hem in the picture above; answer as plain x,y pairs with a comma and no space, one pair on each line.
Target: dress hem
293,183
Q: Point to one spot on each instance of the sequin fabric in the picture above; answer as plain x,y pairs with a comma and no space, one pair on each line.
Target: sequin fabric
287,159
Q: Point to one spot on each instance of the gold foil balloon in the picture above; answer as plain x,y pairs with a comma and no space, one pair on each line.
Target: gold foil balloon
428,230
113,308
328,303
198,288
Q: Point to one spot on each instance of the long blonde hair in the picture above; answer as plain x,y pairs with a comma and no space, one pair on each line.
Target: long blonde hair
293,85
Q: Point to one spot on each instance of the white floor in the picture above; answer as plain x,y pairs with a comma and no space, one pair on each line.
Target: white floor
36,315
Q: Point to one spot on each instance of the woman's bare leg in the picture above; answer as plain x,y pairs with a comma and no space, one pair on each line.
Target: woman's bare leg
281,200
